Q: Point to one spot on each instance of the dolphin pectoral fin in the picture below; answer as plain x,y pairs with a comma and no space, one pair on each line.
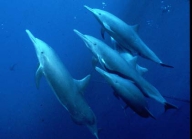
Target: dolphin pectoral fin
135,27
169,106
38,76
81,84
107,27
103,33
141,70
165,65
96,134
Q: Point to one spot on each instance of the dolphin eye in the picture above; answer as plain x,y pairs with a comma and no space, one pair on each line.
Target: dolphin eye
42,52
94,44
99,13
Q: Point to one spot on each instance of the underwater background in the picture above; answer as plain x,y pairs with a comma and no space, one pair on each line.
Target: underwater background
30,113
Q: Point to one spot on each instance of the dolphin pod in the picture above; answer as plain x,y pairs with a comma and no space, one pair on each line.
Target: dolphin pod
120,70
125,35
67,90
114,63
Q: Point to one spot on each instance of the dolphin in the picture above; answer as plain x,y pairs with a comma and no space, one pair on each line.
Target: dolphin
128,92
114,63
126,35
68,91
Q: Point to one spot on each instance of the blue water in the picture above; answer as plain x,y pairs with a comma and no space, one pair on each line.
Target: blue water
28,113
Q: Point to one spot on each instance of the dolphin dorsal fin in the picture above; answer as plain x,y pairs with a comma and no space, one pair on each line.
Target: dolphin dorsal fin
135,27
141,70
38,76
81,84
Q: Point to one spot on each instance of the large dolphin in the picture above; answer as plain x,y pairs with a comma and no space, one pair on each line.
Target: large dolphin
114,63
67,90
126,35
128,92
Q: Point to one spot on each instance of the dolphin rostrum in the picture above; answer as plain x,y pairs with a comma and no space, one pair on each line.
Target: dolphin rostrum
114,63
67,90
126,35
128,92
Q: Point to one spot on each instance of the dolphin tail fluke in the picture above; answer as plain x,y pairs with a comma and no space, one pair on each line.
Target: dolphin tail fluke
169,106
165,65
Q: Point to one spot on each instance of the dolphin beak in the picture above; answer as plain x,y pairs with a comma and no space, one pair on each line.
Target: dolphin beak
83,37
102,72
79,34
32,38
88,8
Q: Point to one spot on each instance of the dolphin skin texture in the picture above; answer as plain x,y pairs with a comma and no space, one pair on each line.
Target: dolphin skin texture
125,35
114,63
128,92
68,90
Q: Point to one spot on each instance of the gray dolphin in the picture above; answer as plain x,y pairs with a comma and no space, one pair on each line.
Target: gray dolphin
128,92
67,90
114,63
124,34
